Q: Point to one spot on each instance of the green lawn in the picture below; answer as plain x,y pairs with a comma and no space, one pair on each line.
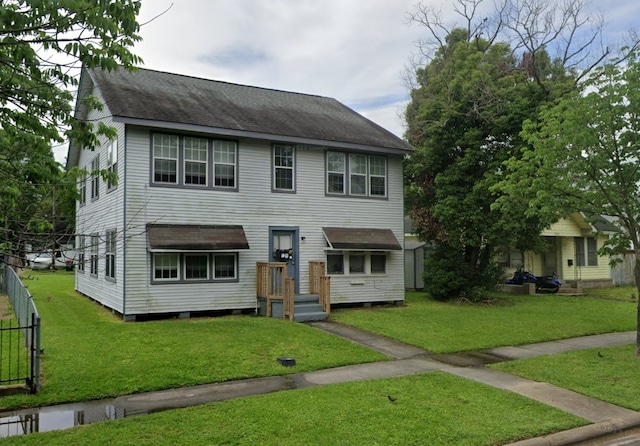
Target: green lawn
430,409
445,327
609,374
91,354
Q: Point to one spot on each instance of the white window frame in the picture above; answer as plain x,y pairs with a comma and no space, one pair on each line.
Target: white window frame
372,176
225,155
345,258
110,255
95,253
186,262
83,190
360,176
112,163
190,147
350,174
81,253
161,148
332,171
166,266
95,178
277,166
234,256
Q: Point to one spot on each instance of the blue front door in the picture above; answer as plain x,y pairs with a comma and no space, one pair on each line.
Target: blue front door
284,248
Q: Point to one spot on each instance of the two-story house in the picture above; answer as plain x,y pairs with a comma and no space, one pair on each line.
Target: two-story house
214,178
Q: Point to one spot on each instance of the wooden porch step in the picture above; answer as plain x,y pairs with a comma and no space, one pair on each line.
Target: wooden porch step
306,308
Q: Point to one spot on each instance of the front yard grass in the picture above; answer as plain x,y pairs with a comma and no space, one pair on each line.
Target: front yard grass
609,374
433,409
91,354
446,327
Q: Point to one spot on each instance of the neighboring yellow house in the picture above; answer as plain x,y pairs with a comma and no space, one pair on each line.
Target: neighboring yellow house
572,256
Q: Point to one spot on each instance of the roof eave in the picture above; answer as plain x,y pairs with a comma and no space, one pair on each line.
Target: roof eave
259,135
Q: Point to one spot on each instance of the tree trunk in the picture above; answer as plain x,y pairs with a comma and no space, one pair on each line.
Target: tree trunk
636,275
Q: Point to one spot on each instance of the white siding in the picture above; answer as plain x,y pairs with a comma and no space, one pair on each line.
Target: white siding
99,216
256,208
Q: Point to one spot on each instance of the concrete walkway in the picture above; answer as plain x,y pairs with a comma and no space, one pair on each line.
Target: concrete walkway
407,360
606,418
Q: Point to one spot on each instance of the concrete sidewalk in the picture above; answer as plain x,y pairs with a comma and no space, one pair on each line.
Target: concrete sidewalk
606,418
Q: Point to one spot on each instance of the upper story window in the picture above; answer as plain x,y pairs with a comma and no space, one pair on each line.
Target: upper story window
165,159
367,175
195,161
83,190
95,178
335,172
112,164
224,162
191,161
283,168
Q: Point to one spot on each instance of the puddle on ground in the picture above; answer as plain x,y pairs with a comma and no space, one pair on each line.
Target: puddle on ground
45,419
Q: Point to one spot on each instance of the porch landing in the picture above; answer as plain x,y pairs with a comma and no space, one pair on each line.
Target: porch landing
306,308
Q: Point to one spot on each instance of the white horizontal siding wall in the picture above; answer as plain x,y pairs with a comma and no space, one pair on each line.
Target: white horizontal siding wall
99,216
256,208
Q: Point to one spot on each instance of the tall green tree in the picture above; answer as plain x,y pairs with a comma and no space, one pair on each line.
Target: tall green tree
583,155
43,43
464,121
468,104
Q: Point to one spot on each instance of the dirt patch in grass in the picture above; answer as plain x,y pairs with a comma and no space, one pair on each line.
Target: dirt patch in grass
5,308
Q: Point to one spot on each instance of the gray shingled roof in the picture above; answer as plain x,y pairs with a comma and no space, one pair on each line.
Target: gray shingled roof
196,237
361,238
165,97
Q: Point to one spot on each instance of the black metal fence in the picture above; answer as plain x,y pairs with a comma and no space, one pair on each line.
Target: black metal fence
19,337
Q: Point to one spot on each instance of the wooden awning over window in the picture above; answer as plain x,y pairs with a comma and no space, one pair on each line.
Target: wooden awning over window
195,238
361,239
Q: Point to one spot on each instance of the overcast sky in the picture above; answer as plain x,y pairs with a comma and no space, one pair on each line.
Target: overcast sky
355,51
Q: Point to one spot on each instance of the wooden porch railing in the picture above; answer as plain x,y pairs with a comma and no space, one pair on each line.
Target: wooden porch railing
320,284
273,283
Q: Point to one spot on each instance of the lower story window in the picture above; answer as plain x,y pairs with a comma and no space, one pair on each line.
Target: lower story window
378,263
224,266
356,263
194,267
335,263
165,266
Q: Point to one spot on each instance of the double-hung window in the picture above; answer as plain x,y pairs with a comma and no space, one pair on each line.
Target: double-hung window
283,168
224,162
203,267
81,254
95,249
83,190
356,263
110,255
586,251
196,266
165,159
165,266
112,165
95,178
356,175
195,161
224,266
377,176
335,172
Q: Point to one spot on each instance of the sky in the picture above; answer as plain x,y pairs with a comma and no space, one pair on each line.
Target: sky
356,51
